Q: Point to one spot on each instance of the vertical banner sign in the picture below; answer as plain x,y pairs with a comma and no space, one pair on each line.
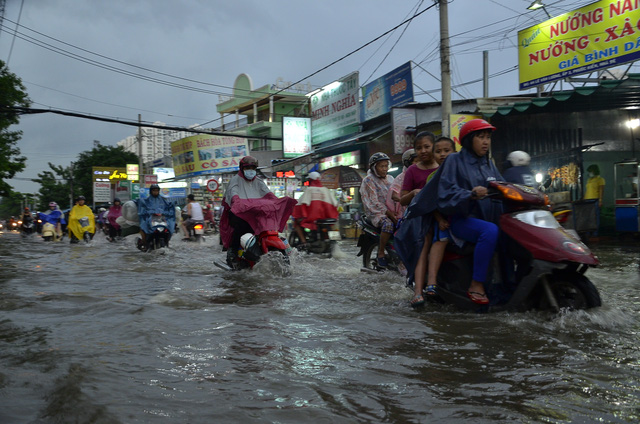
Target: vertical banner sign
207,154
455,123
335,109
402,119
296,136
601,35
101,192
392,89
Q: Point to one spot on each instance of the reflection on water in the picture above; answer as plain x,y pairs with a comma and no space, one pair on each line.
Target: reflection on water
104,333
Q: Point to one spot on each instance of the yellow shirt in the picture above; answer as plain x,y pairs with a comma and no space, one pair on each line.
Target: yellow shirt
593,187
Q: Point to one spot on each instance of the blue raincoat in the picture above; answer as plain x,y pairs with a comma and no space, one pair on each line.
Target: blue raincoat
449,191
156,205
53,217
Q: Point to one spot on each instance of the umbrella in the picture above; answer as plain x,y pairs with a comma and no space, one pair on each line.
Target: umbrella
341,177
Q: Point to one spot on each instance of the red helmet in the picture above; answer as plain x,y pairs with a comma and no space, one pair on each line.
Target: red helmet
475,125
248,161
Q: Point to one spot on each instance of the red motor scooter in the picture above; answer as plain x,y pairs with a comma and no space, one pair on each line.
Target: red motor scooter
540,266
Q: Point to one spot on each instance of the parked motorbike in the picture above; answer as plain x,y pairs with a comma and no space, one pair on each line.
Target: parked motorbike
319,241
542,266
368,243
159,236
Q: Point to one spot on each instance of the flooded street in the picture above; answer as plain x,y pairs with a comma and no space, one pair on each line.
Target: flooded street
103,333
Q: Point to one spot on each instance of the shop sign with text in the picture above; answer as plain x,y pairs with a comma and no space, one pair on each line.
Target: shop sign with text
598,36
392,89
335,109
207,154
296,136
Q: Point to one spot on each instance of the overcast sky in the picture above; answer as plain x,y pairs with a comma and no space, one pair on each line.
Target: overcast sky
208,43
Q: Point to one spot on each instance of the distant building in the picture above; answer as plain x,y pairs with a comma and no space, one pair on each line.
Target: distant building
156,142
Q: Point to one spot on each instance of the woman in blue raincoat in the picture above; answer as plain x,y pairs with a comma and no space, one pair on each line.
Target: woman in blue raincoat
155,205
458,190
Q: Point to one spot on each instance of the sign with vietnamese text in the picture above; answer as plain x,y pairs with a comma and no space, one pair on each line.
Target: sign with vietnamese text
335,109
207,154
392,89
108,174
101,192
345,159
601,35
296,136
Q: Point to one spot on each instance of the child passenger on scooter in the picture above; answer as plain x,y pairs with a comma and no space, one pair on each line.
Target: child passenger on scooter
442,148
414,180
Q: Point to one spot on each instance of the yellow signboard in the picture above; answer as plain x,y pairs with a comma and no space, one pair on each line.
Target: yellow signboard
601,35
456,122
108,174
207,154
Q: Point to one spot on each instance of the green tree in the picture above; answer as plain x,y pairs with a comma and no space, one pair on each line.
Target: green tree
11,205
54,186
12,95
100,155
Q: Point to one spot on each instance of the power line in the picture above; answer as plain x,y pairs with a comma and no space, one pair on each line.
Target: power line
30,111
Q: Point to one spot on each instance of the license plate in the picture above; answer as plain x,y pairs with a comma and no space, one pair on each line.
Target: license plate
334,235
198,230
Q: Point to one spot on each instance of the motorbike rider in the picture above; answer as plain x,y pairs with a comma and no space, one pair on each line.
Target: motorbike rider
113,213
194,214
517,169
154,205
409,158
26,216
208,217
54,216
459,191
373,191
243,185
79,211
12,221
316,203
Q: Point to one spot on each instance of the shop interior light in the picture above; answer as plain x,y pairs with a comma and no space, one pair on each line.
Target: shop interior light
633,123
539,177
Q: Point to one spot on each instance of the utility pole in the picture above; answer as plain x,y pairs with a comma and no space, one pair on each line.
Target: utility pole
140,164
445,67
485,74
71,185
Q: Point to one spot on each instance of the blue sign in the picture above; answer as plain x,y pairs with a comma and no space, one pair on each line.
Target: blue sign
391,90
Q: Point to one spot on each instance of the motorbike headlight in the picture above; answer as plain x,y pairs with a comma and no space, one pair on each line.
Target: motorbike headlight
539,218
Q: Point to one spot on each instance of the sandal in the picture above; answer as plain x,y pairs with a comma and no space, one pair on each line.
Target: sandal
417,300
478,298
431,290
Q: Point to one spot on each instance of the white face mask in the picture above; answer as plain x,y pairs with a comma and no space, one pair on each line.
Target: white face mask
249,174
591,175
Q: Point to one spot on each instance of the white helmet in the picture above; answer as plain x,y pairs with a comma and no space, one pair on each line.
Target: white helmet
247,240
519,158
313,175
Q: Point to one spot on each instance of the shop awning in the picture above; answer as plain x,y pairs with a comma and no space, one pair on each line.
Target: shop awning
608,94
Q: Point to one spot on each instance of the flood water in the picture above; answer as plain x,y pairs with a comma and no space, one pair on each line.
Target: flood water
103,333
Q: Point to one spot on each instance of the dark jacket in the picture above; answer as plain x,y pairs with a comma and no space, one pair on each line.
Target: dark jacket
449,191
520,175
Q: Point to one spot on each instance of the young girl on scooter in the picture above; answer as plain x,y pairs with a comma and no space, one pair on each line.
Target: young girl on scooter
414,180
